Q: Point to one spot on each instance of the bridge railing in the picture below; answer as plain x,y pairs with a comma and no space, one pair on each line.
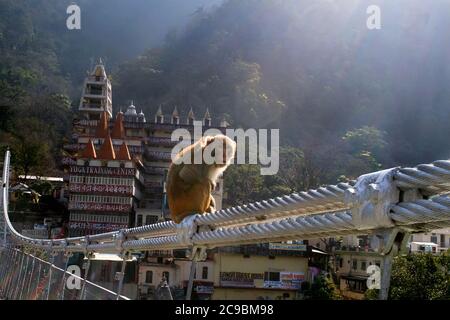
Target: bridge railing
25,276
388,205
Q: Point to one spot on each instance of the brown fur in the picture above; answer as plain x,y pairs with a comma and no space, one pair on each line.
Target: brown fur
189,186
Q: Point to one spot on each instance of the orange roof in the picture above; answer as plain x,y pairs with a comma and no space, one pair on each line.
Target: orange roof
106,152
123,153
118,132
102,127
89,151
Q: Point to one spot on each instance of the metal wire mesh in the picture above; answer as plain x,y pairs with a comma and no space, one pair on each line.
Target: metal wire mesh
24,276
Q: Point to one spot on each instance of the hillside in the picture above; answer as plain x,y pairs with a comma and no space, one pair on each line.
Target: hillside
348,98
310,68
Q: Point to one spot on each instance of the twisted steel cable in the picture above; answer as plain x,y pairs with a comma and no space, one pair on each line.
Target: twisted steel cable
434,176
156,229
329,198
165,242
422,211
291,227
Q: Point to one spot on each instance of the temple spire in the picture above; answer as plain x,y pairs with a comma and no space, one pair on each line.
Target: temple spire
102,126
106,152
118,131
89,151
190,117
124,153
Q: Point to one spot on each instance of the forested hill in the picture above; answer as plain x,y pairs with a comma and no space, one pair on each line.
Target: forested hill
311,68
113,29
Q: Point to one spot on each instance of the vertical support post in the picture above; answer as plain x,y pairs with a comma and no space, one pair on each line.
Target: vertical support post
385,280
50,274
39,277
86,273
191,279
15,288
31,276
390,242
63,284
121,275
6,190
198,254
24,277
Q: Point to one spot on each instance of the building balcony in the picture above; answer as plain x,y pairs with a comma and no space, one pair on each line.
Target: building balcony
85,123
153,170
158,156
160,142
95,95
169,127
160,253
154,190
96,80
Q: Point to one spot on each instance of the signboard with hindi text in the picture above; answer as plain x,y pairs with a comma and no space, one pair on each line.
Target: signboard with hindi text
287,246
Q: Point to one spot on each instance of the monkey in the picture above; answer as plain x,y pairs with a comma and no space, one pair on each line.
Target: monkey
189,184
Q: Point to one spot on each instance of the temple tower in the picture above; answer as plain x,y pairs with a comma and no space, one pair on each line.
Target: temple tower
97,94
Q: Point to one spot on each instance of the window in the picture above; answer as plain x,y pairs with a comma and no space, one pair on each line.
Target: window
149,277
139,220
434,239
150,219
271,276
341,262
205,273
355,264
166,276
363,265
378,263
159,260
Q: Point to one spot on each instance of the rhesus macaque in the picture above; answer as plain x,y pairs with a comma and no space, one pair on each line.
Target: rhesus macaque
192,177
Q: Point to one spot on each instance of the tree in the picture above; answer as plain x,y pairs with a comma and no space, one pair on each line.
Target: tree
243,184
367,144
420,277
30,148
322,288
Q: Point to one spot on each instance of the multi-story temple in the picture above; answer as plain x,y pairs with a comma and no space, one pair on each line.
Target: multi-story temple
117,164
